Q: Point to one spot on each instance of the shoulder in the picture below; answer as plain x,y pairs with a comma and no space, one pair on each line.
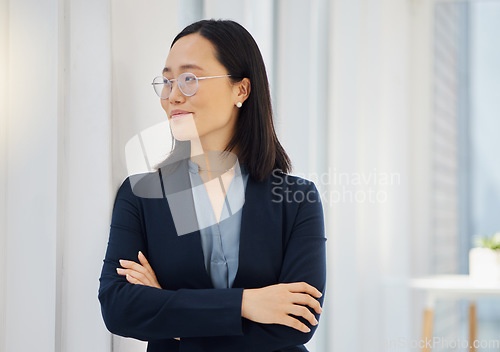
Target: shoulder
151,185
301,203
142,185
278,178
292,188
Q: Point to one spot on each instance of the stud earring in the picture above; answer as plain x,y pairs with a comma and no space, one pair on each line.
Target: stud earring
239,104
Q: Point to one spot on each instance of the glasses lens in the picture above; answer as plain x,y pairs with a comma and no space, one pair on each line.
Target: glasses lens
188,83
162,87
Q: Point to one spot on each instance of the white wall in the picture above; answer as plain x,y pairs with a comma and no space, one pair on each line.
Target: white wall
141,37
4,31
32,175
421,105
368,133
84,159
57,172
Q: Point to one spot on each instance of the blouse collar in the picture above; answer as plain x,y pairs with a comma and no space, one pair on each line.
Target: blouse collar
239,169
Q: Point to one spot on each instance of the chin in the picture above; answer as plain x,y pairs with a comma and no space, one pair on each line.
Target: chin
184,129
185,135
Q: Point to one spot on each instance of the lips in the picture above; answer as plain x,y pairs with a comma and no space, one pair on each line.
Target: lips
179,114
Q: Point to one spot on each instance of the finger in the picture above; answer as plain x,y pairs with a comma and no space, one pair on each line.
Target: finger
304,287
145,263
122,271
133,280
302,311
133,266
150,272
295,323
148,269
140,277
130,264
307,300
137,275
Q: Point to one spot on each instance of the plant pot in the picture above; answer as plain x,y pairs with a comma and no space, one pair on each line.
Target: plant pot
484,264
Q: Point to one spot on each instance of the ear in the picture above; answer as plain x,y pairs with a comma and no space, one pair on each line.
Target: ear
242,90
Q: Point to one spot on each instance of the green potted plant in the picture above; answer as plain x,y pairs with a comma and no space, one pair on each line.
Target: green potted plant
484,259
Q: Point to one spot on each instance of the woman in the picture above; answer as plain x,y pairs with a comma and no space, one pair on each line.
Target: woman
218,249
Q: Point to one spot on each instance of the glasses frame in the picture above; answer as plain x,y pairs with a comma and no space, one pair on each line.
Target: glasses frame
180,88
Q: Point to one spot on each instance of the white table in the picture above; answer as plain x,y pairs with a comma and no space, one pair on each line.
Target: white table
454,286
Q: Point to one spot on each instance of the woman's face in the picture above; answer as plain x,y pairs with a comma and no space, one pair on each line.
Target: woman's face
211,111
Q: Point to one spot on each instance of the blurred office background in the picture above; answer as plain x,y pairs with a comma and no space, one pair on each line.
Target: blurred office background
392,107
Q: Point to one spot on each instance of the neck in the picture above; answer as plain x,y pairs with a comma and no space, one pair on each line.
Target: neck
212,158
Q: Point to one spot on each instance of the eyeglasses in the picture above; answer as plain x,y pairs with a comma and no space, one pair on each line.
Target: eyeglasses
187,83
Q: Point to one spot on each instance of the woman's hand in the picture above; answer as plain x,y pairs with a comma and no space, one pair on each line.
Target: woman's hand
272,304
139,274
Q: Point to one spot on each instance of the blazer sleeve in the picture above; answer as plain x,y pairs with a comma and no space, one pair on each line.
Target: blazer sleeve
148,313
304,260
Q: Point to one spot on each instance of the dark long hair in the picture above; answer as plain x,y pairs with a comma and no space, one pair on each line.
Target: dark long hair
259,148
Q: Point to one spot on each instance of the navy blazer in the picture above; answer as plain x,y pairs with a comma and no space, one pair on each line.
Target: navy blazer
282,240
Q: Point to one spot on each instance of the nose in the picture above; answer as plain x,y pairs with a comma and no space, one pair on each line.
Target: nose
176,95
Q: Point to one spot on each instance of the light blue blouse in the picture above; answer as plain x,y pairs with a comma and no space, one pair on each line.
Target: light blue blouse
220,241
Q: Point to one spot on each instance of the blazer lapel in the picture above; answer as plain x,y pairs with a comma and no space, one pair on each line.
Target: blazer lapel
177,188
177,191
255,226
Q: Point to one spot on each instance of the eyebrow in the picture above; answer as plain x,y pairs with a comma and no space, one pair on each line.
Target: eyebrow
183,67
